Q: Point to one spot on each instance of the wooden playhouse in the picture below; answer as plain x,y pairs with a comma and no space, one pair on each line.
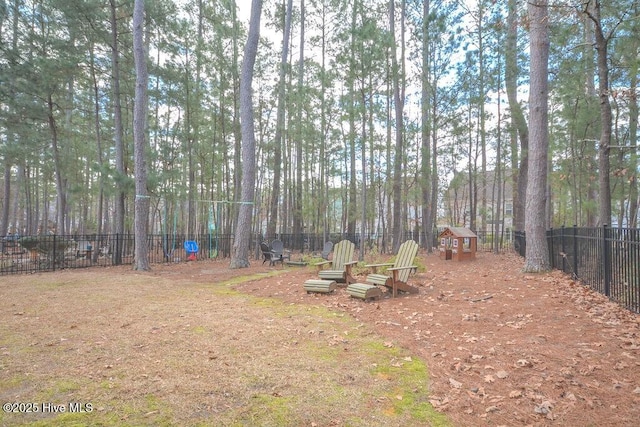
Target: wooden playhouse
458,244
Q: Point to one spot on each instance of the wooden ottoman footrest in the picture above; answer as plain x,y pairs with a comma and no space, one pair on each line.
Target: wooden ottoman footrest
364,291
319,285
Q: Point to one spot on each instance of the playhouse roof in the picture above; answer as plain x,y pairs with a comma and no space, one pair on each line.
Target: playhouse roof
457,232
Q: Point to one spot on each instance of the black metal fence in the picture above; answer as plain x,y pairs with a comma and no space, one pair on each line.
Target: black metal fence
605,259
29,254
487,241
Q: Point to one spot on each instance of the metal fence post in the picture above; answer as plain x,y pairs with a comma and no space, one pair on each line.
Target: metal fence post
563,249
54,253
552,258
117,255
606,260
575,250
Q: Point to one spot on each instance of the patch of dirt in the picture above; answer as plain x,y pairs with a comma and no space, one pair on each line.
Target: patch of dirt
502,347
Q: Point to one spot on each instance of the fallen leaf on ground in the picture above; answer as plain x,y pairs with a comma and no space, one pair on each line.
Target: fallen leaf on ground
454,383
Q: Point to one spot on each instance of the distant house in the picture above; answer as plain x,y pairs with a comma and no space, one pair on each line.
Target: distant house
495,218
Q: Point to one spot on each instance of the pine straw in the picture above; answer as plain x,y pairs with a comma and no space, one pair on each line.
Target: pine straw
502,347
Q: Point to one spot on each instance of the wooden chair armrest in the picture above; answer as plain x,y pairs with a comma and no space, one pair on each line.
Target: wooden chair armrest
348,266
375,266
379,265
321,264
412,267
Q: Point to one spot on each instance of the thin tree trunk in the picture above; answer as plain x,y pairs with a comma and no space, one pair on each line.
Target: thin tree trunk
482,120
427,177
434,166
518,121
141,204
236,130
193,118
30,202
61,196
351,206
472,169
587,190
386,195
118,136
399,134
363,170
280,116
604,178
96,112
10,137
498,226
369,201
297,202
324,191
633,125
6,192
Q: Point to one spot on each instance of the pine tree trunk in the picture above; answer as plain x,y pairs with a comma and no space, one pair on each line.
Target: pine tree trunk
604,178
99,154
425,166
537,256
60,187
118,137
6,191
240,256
399,135
141,204
278,139
518,121
297,202
633,132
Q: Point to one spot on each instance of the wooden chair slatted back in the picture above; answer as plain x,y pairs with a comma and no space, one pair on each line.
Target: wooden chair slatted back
406,255
342,254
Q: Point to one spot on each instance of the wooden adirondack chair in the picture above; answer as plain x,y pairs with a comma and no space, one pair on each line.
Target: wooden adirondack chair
279,254
340,265
326,250
398,271
267,255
